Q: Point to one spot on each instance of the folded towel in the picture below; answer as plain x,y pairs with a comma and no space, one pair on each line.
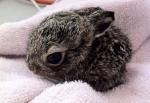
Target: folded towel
24,87
132,16
136,90
19,85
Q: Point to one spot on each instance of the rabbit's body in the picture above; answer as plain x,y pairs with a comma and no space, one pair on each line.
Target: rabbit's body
80,45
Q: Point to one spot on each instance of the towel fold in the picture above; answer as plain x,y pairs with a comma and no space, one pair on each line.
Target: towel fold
132,16
19,85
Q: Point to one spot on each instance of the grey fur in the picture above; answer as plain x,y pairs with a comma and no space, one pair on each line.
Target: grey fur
94,54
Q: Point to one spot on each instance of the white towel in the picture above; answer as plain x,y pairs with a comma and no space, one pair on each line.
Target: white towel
24,87
132,16
19,85
136,90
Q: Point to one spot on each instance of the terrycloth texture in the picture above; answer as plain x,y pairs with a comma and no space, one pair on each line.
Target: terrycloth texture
136,90
132,16
19,85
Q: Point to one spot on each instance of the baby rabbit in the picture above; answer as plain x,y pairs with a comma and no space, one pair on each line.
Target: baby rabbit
80,45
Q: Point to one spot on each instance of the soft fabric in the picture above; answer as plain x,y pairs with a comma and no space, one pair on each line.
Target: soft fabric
132,16
136,90
19,85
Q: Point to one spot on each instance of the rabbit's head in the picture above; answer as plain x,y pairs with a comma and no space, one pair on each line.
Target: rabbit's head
61,46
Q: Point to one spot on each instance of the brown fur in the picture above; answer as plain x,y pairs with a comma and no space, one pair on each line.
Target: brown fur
97,51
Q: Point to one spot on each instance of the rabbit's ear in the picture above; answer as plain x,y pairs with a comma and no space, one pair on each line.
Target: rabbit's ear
101,21
87,11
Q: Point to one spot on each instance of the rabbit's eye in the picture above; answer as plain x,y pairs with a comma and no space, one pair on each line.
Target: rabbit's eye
55,58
